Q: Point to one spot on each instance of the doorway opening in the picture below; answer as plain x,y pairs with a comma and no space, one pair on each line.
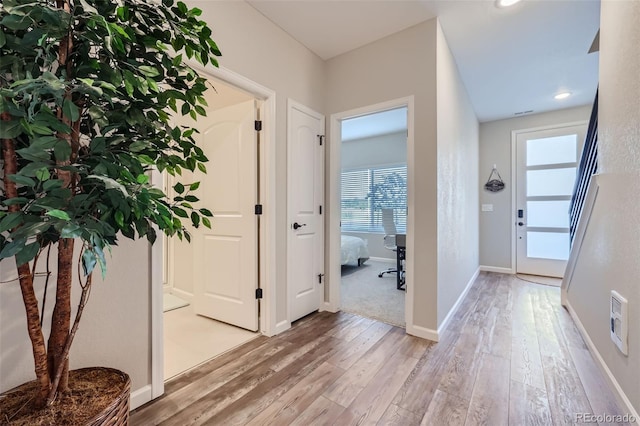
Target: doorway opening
373,215
545,164
209,284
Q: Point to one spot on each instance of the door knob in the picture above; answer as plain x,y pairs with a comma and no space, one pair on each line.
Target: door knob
296,225
520,223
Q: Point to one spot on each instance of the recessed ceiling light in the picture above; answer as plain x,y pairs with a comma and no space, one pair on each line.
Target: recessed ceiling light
506,3
563,95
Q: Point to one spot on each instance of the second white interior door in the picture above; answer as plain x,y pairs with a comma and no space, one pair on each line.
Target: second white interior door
306,196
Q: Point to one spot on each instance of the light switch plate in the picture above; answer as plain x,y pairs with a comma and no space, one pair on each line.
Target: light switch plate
487,207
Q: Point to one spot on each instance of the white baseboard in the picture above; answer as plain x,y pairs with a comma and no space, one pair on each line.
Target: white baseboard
140,397
456,305
422,332
328,307
622,397
497,269
384,259
282,326
182,294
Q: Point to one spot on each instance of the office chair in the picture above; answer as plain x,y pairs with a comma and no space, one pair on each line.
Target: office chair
389,240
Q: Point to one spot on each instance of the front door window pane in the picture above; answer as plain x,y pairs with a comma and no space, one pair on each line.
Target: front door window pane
548,214
548,245
550,182
555,150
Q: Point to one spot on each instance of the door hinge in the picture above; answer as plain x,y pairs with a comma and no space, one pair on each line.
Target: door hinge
320,278
320,209
258,209
321,138
258,125
258,293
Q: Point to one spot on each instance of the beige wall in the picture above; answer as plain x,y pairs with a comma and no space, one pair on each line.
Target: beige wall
396,66
380,150
495,148
114,331
609,259
457,182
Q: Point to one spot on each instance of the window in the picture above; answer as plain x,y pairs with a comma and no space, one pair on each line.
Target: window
365,192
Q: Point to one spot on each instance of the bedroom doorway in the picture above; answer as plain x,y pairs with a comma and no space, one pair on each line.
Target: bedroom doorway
373,214
209,304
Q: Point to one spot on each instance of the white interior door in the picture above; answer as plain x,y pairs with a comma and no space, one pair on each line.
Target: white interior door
306,196
225,256
546,171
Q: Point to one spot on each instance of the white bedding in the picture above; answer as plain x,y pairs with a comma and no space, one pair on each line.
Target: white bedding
354,250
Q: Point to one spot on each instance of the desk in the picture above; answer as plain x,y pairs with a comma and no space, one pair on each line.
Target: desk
401,245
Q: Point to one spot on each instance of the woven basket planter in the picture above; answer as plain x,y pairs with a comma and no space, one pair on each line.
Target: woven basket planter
98,397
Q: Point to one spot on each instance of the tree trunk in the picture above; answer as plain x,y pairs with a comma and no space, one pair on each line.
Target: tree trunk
61,317
25,277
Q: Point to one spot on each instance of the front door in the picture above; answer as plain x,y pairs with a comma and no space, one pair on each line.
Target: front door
546,171
225,259
306,194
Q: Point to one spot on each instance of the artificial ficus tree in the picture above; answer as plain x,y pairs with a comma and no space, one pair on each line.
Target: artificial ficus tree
87,89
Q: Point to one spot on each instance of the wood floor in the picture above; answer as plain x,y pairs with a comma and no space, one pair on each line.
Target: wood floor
510,356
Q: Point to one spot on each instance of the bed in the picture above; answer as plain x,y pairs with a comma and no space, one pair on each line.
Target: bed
354,250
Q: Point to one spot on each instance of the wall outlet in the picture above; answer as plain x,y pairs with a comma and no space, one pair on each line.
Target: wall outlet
619,321
487,207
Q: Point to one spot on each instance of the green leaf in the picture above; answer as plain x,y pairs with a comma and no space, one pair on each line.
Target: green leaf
10,129
10,221
71,230
195,219
43,175
119,217
70,110
142,179
58,214
89,262
202,168
191,198
23,180
206,212
149,71
194,186
206,222
12,248
3,39
16,200
180,212
179,188
27,253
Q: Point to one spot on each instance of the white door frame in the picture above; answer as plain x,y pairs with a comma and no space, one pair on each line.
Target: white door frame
332,258
267,225
292,104
514,177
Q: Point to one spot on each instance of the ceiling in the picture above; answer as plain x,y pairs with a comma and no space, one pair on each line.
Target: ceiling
379,123
511,60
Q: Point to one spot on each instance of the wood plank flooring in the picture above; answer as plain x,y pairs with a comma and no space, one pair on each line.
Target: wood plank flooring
510,356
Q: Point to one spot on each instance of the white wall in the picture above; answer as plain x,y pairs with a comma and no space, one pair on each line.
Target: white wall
609,259
114,331
496,227
382,150
457,182
360,78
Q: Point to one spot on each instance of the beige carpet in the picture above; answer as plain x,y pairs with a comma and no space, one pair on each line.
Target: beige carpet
364,293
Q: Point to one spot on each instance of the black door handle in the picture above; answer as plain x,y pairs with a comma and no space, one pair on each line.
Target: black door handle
296,225
520,223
